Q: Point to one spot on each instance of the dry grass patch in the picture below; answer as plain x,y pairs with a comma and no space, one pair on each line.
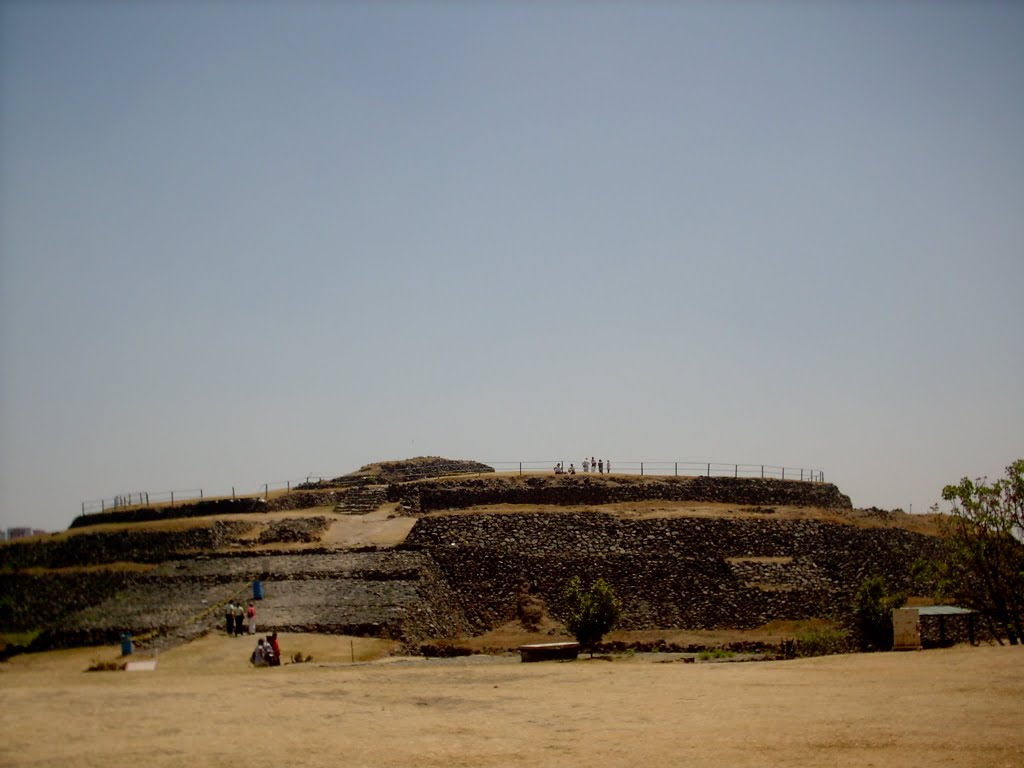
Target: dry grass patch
510,636
949,707
211,654
645,510
219,653
118,567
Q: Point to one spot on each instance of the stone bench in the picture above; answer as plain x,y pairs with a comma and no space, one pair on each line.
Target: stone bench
549,651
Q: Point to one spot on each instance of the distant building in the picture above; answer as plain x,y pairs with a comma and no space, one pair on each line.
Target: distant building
3,534
19,533
934,626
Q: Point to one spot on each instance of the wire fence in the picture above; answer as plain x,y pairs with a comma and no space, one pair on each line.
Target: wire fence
662,468
171,498
558,466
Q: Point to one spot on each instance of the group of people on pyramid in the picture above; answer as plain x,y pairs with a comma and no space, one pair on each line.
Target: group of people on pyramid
597,466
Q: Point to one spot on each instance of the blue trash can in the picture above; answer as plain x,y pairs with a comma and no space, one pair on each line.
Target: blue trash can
257,590
126,644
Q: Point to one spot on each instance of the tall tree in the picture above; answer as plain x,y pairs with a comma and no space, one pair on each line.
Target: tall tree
985,540
590,613
872,609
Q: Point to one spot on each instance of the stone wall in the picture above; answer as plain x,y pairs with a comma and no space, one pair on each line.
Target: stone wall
575,490
154,546
127,545
464,573
402,471
185,509
399,595
669,572
36,601
209,507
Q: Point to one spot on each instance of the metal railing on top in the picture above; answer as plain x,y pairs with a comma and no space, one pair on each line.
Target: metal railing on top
665,468
159,498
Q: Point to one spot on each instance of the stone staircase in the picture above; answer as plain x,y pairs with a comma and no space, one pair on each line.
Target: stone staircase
362,500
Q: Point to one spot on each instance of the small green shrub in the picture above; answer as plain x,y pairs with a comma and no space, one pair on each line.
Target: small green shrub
819,641
872,610
590,614
19,638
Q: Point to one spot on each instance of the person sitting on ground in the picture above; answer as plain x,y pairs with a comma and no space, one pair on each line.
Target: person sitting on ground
276,645
259,656
272,652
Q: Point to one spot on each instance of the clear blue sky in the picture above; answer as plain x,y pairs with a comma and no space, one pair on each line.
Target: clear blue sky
244,242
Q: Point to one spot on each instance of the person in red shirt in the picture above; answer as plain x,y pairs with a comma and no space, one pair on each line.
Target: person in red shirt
275,645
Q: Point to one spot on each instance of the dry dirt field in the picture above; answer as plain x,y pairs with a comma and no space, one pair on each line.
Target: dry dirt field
204,706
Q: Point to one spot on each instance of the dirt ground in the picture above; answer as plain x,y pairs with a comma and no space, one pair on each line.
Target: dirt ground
204,705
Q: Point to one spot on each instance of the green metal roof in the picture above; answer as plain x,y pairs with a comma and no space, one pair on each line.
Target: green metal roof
942,610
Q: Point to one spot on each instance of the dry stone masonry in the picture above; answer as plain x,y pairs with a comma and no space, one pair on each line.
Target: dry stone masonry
668,572
576,490
459,572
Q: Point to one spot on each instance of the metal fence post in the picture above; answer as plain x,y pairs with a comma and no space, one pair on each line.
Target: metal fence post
762,471
801,474
641,469
289,486
677,469
520,467
709,469
783,473
266,491
735,470
172,498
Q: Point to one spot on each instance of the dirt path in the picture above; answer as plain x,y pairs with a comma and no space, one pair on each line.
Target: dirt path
205,706
381,528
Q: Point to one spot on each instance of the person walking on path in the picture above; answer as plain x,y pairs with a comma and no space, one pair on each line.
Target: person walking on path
239,618
600,466
229,618
251,613
608,466
586,466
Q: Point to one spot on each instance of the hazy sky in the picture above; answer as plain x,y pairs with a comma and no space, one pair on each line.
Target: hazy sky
240,243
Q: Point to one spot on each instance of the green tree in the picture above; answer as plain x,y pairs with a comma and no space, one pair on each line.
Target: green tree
872,609
984,531
590,613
